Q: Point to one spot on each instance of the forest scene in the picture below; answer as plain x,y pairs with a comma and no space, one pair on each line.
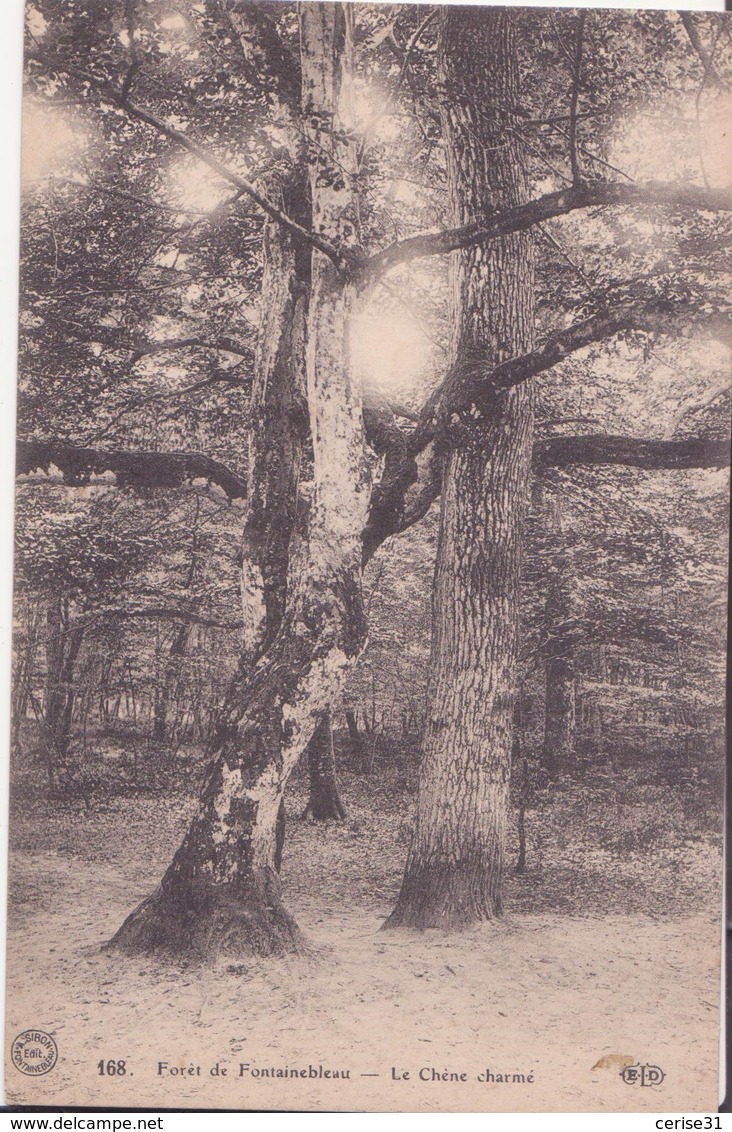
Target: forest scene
368,687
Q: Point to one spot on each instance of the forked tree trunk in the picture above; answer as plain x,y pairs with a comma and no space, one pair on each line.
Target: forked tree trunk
324,799
455,865
221,894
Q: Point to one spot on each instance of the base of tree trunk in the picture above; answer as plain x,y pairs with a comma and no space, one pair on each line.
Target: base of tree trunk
325,806
210,922
447,896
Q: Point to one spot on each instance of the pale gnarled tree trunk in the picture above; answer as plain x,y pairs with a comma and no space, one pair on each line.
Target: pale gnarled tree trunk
278,430
455,864
221,894
279,424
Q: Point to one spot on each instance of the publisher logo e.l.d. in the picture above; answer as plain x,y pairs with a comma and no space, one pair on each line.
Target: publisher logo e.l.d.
34,1052
644,1075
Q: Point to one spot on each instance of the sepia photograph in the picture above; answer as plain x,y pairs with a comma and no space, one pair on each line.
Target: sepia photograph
371,556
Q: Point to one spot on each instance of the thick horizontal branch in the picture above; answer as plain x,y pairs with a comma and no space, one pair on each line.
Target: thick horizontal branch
227,345
415,493
518,219
420,491
470,387
653,455
470,384
141,471
144,471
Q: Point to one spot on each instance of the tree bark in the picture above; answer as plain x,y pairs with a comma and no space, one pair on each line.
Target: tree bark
221,894
455,865
279,429
324,800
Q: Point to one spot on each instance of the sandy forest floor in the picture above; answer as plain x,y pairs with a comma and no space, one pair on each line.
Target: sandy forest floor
609,947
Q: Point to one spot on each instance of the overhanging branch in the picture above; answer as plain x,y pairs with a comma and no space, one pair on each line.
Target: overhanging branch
470,385
141,471
120,97
413,490
521,217
653,455
314,239
225,345
418,493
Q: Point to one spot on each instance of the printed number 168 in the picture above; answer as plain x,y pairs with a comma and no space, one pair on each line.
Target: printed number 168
112,1068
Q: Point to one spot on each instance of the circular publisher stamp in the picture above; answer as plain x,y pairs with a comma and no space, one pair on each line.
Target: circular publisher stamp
34,1052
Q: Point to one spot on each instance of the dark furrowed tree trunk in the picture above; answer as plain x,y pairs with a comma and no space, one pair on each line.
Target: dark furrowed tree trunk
221,894
324,800
455,865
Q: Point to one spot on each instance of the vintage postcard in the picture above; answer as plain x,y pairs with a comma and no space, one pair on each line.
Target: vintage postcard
370,561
